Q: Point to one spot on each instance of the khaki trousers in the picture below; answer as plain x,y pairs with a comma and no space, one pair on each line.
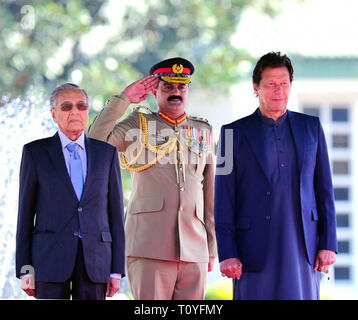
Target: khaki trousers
153,279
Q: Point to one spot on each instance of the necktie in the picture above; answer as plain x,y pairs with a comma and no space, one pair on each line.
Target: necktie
75,165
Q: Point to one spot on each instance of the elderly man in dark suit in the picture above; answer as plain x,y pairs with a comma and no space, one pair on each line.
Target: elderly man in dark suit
274,211
70,219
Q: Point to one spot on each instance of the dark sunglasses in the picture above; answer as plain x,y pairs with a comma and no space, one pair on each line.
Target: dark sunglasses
81,106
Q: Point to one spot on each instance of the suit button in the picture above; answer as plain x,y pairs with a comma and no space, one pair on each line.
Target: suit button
76,233
181,209
79,209
181,188
268,217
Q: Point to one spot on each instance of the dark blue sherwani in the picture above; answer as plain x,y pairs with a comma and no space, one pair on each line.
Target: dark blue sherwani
275,210
287,273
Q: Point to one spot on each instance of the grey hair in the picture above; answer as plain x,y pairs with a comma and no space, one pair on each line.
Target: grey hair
63,87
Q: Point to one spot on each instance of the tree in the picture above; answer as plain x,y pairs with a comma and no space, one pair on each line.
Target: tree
42,41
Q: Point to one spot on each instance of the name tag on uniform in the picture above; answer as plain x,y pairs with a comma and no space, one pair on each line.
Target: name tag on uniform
159,138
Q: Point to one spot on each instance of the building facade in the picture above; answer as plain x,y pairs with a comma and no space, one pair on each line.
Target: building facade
328,88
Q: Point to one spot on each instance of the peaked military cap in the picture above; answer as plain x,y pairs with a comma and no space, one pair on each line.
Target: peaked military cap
176,70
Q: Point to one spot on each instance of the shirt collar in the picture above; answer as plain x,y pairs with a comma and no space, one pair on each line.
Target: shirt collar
171,120
270,121
66,140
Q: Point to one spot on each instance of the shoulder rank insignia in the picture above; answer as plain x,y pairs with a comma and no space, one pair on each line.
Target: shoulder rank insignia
140,107
199,119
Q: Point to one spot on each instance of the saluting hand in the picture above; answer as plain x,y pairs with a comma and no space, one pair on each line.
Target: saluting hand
138,91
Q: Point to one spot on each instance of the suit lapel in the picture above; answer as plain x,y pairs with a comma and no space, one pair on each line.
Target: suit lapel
255,139
298,128
90,152
58,160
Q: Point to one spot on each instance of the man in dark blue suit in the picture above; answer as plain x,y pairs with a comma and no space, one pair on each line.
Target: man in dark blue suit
274,204
70,232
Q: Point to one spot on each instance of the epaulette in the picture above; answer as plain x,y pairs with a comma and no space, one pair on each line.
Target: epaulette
136,109
199,119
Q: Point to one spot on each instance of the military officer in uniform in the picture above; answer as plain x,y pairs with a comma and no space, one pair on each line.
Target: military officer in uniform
170,236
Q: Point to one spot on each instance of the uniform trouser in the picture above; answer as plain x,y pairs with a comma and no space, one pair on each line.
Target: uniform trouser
79,286
154,279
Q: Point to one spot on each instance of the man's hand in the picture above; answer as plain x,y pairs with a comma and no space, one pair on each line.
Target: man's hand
323,260
28,285
231,268
211,263
113,286
138,91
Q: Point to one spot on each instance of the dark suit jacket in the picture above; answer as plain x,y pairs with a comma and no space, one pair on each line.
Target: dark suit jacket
49,243
242,198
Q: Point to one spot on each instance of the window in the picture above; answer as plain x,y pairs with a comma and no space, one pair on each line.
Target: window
343,220
311,110
341,193
343,246
342,273
340,141
340,167
339,114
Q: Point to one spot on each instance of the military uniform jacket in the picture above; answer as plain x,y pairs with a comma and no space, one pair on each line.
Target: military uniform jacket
170,213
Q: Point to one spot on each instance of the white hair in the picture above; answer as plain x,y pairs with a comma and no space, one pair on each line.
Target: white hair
63,87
